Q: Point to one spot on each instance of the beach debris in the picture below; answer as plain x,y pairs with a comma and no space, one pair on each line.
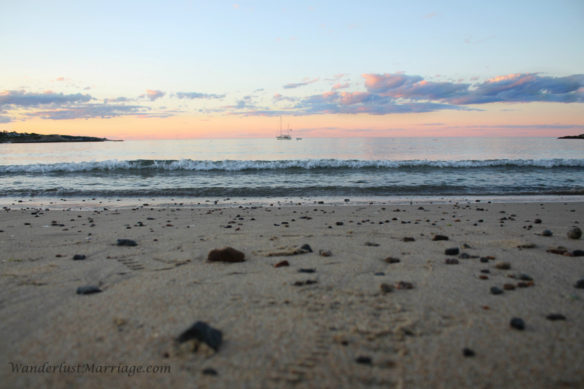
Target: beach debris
282,264
303,270
79,257
517,323
324,253
88,289
579,284
555,316
451,261
452,251
467,352
496,290
201,332
503,265
386,288
226,254
392,260
558,250
575,233
439,237
371,244
546,233
127,242
364,360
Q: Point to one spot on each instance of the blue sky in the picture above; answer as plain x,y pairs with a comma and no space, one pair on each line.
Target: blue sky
265,54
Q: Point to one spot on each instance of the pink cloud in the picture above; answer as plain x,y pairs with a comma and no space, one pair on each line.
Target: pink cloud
153,94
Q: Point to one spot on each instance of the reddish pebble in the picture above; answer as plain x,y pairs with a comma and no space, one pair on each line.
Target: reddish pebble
282,263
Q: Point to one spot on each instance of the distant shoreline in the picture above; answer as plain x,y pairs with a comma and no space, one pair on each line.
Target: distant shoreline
15,137
581,136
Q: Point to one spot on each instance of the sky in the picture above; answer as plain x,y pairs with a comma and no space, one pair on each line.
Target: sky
225,69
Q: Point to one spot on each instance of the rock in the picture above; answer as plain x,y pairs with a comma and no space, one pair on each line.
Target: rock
495,290
88,289
439,237
371,244
302,283
324,253
391,260
537,221
575,233
282,264
306,247
79,257
127,242
578,253
468,352
408,239
306,270
555,316
558,250
503,265
546,233
204,333
509,287
404,285
579,284
226,254
364,360
517,323
451,261
452,251
210,371
339,223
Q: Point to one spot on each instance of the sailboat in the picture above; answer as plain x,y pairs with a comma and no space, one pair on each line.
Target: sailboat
283,136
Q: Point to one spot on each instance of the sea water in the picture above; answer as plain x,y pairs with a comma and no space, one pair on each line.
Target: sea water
311,167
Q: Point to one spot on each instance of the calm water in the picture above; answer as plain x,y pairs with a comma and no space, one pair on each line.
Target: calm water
365,167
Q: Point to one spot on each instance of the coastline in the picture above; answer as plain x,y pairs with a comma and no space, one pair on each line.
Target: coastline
344,330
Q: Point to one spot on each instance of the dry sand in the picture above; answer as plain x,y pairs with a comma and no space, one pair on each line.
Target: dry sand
344,330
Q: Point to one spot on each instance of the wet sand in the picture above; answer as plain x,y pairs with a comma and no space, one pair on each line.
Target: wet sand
355,323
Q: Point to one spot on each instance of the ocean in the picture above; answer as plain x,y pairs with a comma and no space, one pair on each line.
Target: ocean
366,168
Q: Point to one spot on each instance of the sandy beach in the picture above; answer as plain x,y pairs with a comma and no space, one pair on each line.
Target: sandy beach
376,303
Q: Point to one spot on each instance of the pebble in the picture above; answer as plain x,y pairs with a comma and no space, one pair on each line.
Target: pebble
371,244
575,233
306,270
451,261
202,332
88,289
404,285
452,251
468,352
503,266
546,233
517,323
127,242
307,282
364,360
210,371
386,288
408,239
579,284
439,237
282,264
306,247
79,257
555,316
578,253
509,287
226,254
495,290
325,253
392,260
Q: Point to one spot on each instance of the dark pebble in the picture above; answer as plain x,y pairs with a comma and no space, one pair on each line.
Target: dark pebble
89,289
451,261
391,260
404,285
575,233
503,266
517,324
210,371
339,223
452,251
440,237
555,316
282,264
468,352
495,290
364,360
371,244
546,233
306,270
79,257
379,273
306,247
408,239
578,253
127,242
579,284
537,221
386,288
204,333
324,253
227,254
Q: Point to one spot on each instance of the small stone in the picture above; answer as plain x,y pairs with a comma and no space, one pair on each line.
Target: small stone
555,316
509,287
127,242
578,253
468,352
79,257
404,285
391,260
579,284
408,239
306,270
495,290
339,223
227,254
537,221
379,273
451,261
452,251
558,250
325,253
503,266
517,324
575,233
204,333
386,288
306,247
282,264
371,244
364,360
89,289
210,371
439,237
546,233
